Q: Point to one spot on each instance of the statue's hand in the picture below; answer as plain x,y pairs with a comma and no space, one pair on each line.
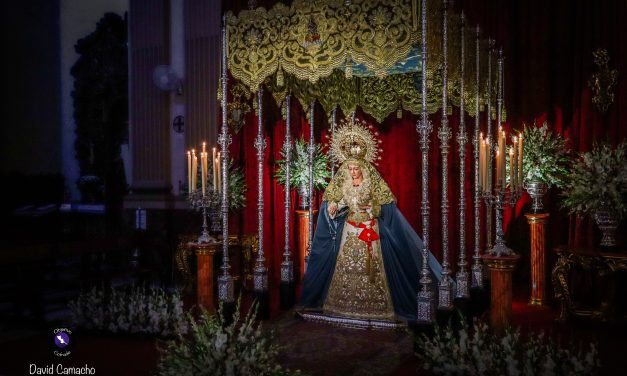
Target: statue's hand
332,209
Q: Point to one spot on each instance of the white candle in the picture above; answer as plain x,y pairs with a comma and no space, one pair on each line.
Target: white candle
513,165
189,171
194,170
511,168
482,171
520,159
214,170
219,163
203,169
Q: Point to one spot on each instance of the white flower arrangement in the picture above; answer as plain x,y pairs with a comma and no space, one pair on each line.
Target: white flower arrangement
134,310
216,348
545,156
598,181
479,351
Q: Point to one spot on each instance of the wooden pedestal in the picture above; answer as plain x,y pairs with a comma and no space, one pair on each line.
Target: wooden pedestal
501,289
302,233
204,287
537,224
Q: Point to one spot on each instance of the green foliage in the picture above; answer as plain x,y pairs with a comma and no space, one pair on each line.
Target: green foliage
237,187
299,172
215,348
545,156
598,181
135,310
479,351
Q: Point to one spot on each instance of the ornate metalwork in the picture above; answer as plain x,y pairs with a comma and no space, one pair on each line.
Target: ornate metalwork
260,278
287,266
225,281
462,270
498,200
536,190
238,107
445,295
490,139
603,81
333,125
181,259
202,202
602,264
477,269
311,149
425,298
608,222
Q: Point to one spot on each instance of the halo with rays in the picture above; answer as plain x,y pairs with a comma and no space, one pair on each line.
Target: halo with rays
354,139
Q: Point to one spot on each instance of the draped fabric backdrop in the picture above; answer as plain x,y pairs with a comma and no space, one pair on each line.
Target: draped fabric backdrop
548,47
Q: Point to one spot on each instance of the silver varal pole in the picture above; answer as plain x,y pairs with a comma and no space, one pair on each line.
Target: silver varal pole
462,270
225,281
333,125
445,295
287,266
425,299
490,141
260,274
310,149
477,266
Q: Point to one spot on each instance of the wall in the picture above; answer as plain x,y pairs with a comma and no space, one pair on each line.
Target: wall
29,134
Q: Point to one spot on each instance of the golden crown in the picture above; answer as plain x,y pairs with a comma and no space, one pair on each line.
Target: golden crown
354,139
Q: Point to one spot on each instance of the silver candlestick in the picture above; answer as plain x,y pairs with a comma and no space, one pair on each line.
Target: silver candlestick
203,202
500,199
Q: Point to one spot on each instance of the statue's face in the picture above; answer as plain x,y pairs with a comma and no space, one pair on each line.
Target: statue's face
355,171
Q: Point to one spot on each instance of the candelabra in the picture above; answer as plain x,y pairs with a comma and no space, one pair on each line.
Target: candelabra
203,202
500,198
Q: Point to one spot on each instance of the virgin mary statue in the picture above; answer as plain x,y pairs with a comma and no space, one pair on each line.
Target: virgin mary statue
365,258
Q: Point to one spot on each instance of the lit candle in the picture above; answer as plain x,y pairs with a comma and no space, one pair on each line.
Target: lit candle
218,162
499,178
482,163
189,171
194,170
203,169
511,168
214,170
513,165
520,159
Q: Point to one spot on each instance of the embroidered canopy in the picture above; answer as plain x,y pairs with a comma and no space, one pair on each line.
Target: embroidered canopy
350,53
